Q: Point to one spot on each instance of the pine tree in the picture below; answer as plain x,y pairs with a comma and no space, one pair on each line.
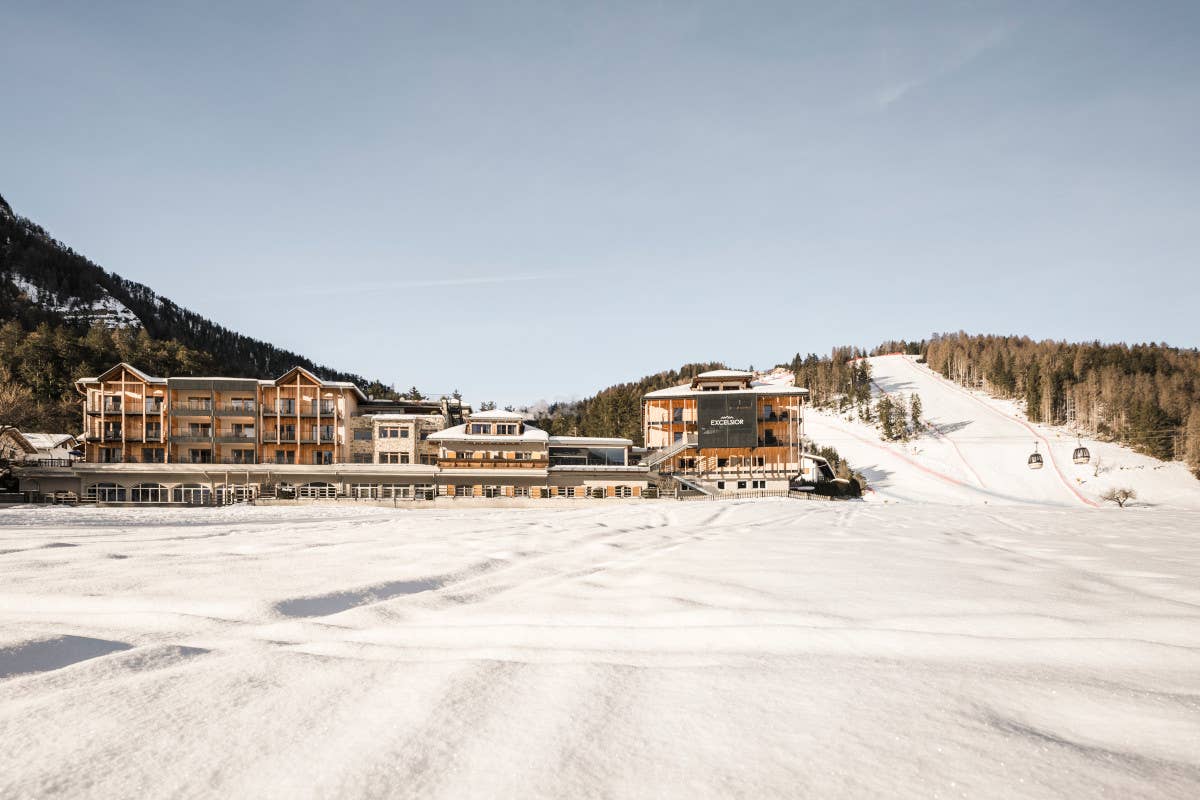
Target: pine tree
916,412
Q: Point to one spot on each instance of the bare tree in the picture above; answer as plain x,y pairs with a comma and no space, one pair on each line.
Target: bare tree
1119,496
17,407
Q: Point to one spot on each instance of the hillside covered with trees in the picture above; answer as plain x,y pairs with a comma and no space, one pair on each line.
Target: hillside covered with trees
51,332
1144,395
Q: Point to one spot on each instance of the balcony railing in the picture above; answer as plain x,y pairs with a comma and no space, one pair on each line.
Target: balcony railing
493,463
242,410
303,410
193,436
189,410
128,408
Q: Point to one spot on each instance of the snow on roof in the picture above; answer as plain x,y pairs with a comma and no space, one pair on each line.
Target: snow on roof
394,417
48,441
726,373
458,433
141,375
685,390
497,415
589,441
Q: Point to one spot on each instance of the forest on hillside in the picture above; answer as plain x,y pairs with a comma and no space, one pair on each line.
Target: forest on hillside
1144,395
44,350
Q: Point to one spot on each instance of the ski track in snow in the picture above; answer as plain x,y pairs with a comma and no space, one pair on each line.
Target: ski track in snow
976,449
738,649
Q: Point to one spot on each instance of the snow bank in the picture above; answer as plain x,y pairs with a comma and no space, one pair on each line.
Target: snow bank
754,649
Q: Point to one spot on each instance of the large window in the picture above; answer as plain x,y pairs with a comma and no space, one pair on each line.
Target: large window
389,432
587,456
361,458
363,435
393,458
507,429
149,493
480,428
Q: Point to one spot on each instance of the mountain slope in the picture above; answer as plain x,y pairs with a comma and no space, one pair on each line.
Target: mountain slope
974,450
42,280
62,316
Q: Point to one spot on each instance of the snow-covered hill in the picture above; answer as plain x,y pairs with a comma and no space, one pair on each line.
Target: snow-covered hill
975,447
107,309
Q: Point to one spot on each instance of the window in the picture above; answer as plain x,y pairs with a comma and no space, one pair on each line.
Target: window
759,461
677,415
507,429
622,491
720,484
327,408
758,484
199,429
463,491
243,456
152,455
404,433
479,428
677,437
112,403
741,484
323,432
392,458
199,403
361,458
491,491
429,459
286,405
242,431
199,456
149,493
285,456
363,435
520,491
323,457
722,463
390,432
110,455
242,403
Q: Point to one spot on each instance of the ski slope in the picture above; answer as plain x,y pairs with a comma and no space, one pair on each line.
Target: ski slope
974,450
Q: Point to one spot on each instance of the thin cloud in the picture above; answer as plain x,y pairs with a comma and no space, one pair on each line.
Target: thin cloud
970,50
474,280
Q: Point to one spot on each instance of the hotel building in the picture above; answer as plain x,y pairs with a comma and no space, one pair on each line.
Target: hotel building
726,432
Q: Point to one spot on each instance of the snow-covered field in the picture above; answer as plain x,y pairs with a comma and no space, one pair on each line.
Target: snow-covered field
755,649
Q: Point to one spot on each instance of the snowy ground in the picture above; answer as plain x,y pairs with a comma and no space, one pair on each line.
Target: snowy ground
754,649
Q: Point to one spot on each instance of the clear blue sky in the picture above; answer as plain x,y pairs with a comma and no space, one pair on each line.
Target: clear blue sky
528,200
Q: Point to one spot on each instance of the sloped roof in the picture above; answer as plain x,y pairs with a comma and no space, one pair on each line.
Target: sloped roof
726,373
458,433
49,441
497,415
768,389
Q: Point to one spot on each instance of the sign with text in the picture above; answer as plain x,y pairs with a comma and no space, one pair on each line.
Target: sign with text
726,420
